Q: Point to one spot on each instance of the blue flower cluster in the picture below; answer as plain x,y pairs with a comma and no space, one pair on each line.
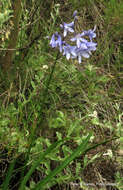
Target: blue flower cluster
82,48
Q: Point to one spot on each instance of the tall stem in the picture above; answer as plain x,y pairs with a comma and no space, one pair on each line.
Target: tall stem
33,130
48,82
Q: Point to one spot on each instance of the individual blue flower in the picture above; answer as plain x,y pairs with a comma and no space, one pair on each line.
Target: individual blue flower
80,52
75,13
78,38
90,33
67,28
91,46
69,51
85,49
56,41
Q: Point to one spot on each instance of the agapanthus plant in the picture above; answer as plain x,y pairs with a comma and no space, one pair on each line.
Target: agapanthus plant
82,47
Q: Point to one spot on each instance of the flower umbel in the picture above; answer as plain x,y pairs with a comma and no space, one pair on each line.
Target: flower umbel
82,48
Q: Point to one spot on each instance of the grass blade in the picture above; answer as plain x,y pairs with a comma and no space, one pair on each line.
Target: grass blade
8,175
37,163
81,149
102,143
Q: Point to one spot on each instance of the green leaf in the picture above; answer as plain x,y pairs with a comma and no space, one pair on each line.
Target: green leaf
37,163
80,150
8,175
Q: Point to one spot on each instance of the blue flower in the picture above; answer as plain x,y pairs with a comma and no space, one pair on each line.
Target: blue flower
82,53
85,50
82,48
75,13
56,41
69,51
91,46
90,33
78,40
67,28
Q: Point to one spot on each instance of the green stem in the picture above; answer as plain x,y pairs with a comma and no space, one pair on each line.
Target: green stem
33,131
48,82
8,175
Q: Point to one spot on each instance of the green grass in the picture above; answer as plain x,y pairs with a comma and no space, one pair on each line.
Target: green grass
49,105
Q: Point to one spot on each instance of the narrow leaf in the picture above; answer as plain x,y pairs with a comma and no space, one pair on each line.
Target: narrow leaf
80,149
37,163
8,175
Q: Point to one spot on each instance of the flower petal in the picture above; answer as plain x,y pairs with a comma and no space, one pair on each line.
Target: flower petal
78,43
65,33
71,30
68,56
83,46
70,24
85,54
73,39
74,13
79,59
